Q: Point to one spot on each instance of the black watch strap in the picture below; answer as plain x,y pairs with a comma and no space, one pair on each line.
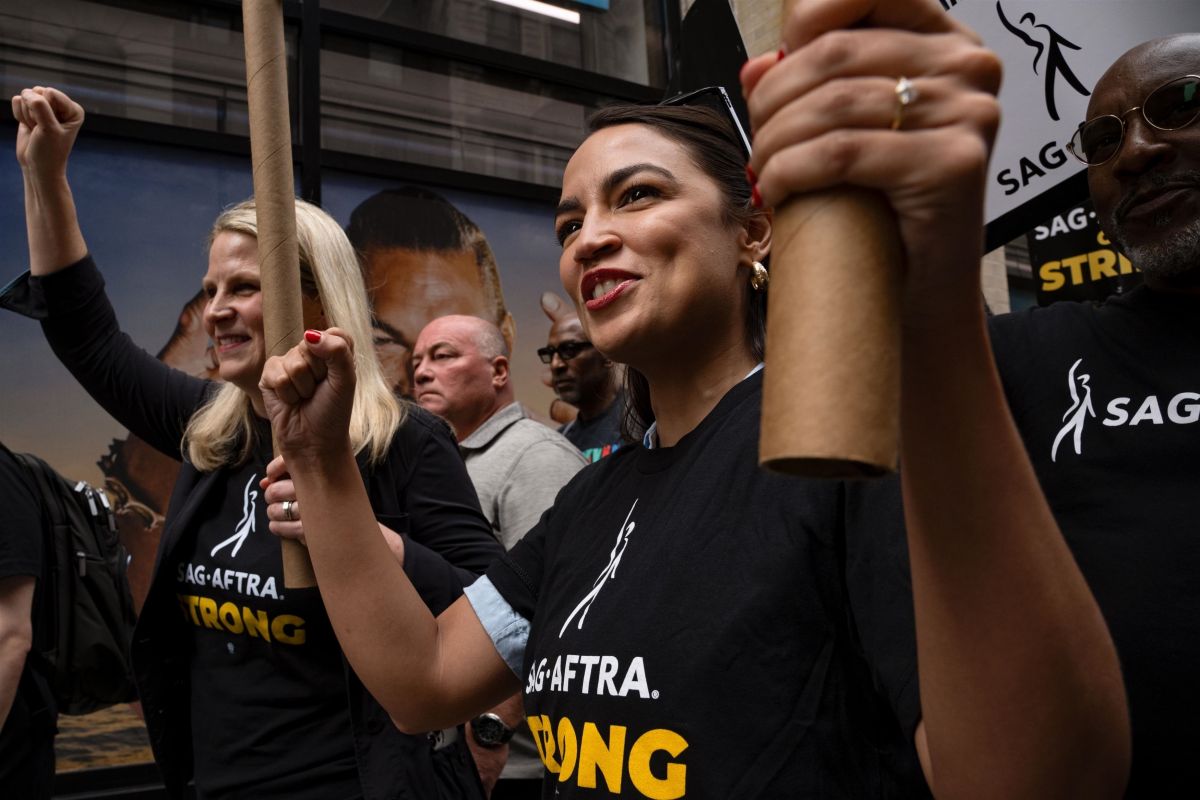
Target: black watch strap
490,731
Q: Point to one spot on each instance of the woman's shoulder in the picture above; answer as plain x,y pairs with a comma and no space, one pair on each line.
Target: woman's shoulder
420,425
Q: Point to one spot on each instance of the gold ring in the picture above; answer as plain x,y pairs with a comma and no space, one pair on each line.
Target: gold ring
287,511
905,93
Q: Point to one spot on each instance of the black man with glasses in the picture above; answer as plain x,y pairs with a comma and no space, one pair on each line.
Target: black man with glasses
583,377
1107,398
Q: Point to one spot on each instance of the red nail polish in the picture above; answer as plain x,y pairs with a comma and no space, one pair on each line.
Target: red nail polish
779,56
312,336
751,178
755,197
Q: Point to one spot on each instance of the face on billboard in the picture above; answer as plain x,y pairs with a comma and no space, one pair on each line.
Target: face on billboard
410,288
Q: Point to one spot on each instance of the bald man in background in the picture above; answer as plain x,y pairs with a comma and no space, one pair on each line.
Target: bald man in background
460,373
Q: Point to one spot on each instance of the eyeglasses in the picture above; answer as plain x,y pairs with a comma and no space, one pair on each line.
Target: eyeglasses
566,351
716,98
1170,107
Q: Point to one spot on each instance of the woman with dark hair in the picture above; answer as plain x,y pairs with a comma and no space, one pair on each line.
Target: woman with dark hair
245,690
686,625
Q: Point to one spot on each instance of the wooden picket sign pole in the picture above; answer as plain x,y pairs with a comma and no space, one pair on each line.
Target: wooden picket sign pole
275,201
831,389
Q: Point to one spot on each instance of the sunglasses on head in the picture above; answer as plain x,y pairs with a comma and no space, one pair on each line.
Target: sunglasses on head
1170,107
716,98
566,351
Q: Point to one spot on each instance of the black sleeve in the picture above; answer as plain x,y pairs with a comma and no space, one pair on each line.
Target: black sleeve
518,575
146,396
879,585
1015,354
448,542
20,522
443,508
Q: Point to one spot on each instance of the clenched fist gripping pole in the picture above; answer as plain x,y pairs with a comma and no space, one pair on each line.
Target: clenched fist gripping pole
831,390
275,201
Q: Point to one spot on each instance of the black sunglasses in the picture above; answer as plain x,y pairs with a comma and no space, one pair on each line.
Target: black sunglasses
566,351
716,98
1170,107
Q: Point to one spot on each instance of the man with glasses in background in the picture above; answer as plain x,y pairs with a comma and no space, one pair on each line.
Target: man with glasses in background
1107,398
581,376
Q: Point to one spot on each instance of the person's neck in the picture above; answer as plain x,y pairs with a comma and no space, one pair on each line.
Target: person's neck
257,403
683,393
463,429
598,403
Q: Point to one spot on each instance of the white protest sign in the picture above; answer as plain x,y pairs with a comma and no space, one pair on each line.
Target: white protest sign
1054,51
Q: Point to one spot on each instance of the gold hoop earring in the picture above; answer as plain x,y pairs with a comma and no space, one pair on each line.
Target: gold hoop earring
758,276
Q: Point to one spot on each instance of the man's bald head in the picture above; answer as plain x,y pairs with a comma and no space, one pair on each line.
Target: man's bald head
1148,195
460,371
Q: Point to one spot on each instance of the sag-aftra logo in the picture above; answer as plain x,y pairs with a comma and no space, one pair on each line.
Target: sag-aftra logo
1182,408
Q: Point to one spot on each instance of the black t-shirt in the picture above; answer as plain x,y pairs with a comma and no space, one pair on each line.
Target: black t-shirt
597,437
1107,399
268,694
696,627
31,720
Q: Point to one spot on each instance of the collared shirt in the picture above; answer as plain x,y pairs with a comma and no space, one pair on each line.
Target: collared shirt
517,466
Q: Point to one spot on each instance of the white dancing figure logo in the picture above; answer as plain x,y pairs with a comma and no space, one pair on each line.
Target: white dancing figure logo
606,574
246,525
1080,410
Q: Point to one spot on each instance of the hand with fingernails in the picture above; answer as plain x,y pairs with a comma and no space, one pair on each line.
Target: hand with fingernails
283,507
893,96
308,393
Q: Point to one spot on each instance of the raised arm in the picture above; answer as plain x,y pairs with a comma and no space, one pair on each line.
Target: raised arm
428,672
1021,694
48,122
143,394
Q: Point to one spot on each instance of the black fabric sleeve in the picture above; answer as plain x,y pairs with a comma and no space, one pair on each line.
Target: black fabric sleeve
1015,354
879,585
447,540
20,521
518,575
146,396
443,508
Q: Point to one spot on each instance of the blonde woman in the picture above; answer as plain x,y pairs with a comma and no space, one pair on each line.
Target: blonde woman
245,688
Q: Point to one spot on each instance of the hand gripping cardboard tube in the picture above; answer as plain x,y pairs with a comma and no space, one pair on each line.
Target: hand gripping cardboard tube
275,201
831,387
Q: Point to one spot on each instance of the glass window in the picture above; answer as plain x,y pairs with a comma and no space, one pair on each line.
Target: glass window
168,63
622,41
384,102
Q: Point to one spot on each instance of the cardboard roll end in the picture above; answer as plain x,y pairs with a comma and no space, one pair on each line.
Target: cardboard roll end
818,467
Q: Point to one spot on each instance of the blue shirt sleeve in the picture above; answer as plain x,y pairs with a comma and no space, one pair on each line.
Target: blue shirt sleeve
508,630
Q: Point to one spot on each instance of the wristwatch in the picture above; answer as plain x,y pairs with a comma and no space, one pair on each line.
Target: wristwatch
490,731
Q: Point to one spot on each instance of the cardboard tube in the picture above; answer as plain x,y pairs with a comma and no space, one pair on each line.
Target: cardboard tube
831,387
275,200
